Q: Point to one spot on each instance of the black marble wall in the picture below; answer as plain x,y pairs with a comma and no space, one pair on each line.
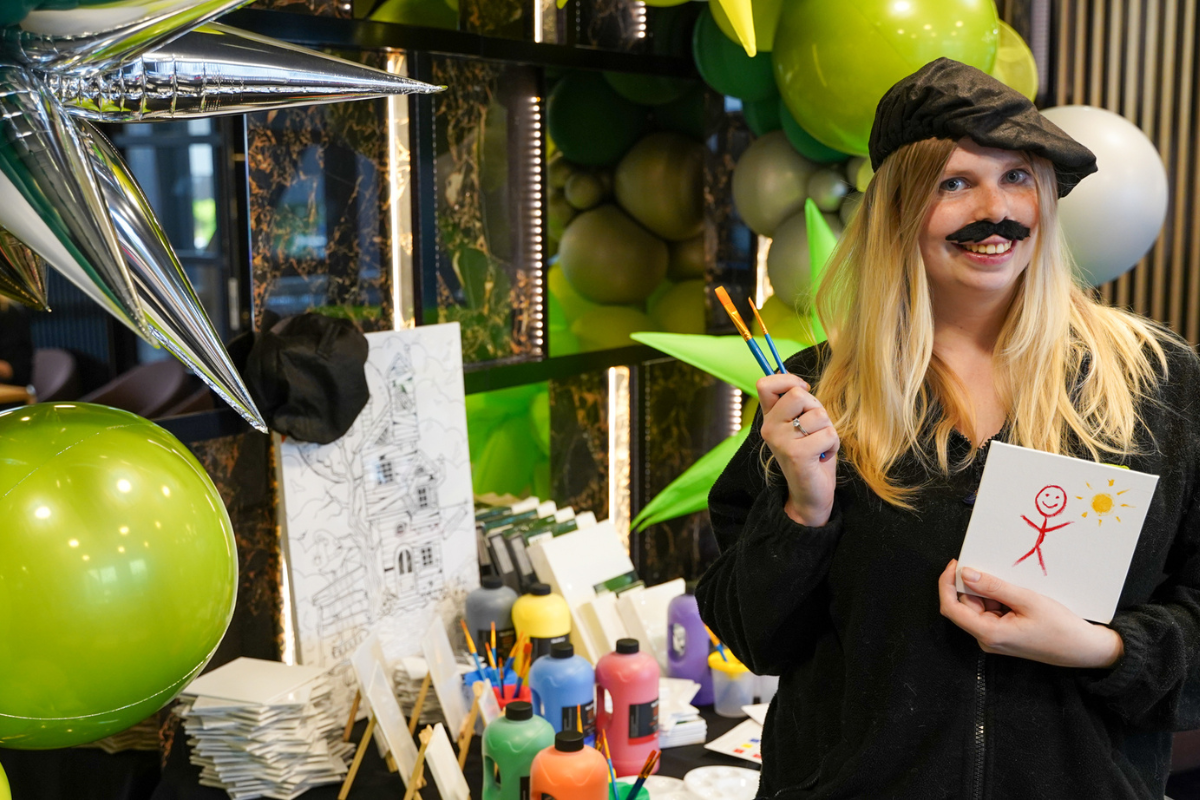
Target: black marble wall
579,442
319,210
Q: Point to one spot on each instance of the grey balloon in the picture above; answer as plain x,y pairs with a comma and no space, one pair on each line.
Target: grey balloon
770,183
849,207
789,265
827,187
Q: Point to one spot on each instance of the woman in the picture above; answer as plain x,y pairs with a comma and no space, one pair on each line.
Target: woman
953,319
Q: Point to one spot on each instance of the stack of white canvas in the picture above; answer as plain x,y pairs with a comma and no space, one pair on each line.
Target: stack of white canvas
679,722
264,729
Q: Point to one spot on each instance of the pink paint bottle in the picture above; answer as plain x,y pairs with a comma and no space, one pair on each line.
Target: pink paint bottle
627,682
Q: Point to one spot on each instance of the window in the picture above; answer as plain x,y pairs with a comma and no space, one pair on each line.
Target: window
384,471
422,497
404,562
427,556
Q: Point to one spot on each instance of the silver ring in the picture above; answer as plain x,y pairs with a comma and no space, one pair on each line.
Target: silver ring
796,425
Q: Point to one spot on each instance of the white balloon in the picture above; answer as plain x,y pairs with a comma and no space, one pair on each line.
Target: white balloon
1112,217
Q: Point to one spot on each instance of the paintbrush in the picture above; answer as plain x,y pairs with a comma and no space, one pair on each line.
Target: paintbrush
723,296
612,773
717,642
471,648
647,768
767,336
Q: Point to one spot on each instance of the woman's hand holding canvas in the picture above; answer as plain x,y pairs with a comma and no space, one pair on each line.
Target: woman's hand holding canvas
1063,527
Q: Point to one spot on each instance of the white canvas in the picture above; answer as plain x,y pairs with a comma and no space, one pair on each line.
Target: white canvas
1087,517
443,764
444,674
253,680
390,720
379,528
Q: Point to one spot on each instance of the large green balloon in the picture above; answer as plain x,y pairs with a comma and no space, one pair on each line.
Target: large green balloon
680,309
608,327
803,141
660,183
118,572
5,794
835,60
591,123
609,258
725,66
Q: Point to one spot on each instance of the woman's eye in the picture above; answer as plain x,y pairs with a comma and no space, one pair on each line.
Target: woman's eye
952,184
1017,175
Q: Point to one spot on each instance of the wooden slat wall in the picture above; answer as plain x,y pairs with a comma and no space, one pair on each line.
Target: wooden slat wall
1139,58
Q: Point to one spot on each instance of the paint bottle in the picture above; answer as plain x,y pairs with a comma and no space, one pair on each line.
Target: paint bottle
544,617
629,677
510,744
564,691
491,604
569,771
687,644
734,685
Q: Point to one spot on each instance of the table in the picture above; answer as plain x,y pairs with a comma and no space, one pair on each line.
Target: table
180,779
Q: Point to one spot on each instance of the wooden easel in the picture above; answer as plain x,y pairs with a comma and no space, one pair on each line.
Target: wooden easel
468,729
353,713
419,770
358,757
420,704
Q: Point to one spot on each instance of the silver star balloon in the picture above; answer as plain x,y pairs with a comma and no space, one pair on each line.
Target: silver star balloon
66,197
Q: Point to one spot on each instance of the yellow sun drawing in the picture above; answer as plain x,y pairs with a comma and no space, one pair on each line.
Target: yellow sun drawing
1105,503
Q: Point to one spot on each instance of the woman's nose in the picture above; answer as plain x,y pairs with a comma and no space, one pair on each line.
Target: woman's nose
992,203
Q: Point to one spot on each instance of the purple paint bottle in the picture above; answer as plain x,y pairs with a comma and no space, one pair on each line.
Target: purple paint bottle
687,644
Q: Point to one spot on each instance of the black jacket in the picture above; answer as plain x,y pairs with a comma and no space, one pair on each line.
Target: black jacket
882,697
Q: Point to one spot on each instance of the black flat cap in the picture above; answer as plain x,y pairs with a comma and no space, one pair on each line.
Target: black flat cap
946,99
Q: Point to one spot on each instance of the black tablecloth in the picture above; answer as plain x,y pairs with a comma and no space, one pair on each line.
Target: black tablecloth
180,779
94,775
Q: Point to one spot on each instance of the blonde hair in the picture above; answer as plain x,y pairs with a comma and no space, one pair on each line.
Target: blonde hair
1069,371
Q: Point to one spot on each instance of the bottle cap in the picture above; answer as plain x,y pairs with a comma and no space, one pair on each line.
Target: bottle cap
568,742
540,589
627,646
491,582
562,650
518,710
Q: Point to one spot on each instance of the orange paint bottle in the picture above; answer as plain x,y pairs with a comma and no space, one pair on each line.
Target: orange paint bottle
568,771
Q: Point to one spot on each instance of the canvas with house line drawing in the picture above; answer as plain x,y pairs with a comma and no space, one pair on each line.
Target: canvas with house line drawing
1062,526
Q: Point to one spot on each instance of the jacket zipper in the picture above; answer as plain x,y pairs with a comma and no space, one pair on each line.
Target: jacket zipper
979,735
979,745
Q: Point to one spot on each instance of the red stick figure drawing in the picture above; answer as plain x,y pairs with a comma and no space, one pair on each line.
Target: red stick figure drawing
1050,502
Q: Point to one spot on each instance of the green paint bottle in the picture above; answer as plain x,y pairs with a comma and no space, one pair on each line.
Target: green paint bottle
510,743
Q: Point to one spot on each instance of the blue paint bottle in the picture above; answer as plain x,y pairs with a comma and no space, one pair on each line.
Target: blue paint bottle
564,691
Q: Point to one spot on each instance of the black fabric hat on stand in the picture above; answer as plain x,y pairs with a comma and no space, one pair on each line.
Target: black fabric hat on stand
307,376
946,99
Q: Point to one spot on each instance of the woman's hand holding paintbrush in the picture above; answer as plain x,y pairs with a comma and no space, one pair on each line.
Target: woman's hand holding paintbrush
795,427
804,443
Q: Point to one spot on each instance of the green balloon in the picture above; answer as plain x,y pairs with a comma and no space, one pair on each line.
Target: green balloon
685,115
725,66
648,90
803,141
118,572
834,61
590,123
680,309
762,116
5,792
506,463
660,183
